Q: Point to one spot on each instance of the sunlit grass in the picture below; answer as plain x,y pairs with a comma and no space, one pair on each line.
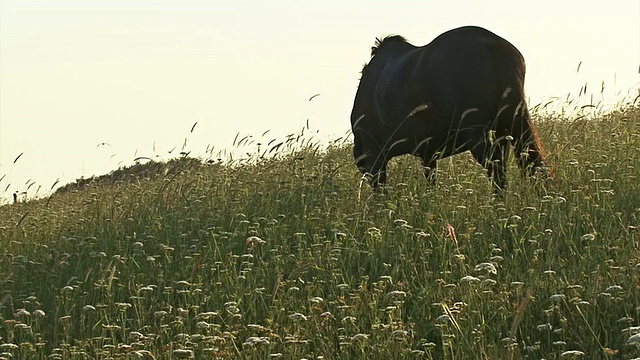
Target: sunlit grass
287,254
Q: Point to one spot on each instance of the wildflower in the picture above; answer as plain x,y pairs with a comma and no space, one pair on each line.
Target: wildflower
613,288
206,315
298,316
634,339
460,257
343,286
399,333
135,336
350,319
631,329
160,313
255,340
572,353
489,282
559,200
202,325
123,306
544,327
359,337
625,319
22,313
469,279
588,237
488,267
340,235
21,326
399,222
253,240
143,354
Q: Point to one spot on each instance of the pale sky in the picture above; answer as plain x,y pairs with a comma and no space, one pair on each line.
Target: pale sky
137,74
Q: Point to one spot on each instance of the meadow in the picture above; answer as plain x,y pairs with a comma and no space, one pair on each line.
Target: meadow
287,253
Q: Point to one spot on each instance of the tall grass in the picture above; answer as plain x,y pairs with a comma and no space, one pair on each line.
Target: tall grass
292,256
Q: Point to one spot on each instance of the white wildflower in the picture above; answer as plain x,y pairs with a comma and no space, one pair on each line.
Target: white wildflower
298,316
469,279
359,337
486,266
572,353
255,340
588,237
544,327
634,339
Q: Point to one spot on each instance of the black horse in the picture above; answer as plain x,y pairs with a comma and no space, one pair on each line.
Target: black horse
463,91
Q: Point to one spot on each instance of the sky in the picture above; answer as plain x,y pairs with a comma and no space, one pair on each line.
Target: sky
87,86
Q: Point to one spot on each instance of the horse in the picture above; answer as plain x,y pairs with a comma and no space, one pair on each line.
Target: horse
464,91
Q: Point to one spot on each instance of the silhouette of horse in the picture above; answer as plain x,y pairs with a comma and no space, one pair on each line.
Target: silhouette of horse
463,91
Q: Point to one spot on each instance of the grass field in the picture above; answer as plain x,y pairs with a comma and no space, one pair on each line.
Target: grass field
287,254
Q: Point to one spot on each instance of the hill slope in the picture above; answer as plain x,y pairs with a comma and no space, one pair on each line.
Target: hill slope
294,257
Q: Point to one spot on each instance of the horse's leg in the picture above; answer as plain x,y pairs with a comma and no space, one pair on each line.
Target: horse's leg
430,169
493,158
379,175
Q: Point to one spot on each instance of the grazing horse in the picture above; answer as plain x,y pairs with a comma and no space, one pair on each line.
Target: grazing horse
463,91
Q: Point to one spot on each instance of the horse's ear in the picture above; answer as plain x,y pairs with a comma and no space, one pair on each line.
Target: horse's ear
376,46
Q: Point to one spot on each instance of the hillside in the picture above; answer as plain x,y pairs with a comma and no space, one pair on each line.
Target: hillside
292,256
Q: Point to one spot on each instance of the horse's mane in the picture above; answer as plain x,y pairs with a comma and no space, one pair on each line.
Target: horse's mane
386,41
380,43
